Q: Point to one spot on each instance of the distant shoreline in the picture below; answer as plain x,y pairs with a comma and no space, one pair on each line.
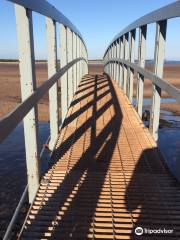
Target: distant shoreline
10,95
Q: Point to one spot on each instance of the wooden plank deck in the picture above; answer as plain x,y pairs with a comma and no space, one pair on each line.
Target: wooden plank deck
107,177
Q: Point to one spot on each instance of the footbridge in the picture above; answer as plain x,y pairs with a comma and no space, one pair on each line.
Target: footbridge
106,177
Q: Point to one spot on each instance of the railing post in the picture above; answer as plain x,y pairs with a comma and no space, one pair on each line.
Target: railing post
158,69
80,76
69,59
64,82
82,71
82,63
74,67
141,60
87,70
121,65
131,71
111,62
125,68
53,91
117,64
78,64
28,86
114,65
109,65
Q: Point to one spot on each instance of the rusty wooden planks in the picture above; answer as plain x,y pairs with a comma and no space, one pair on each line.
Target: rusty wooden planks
107,176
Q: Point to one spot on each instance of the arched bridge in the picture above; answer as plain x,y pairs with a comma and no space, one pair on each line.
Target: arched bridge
106,175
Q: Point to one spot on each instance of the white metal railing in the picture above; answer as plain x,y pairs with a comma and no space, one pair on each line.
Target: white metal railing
73,62
119,61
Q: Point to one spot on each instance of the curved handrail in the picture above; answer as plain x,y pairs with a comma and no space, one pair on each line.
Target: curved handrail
163,84
170,11
120,54
48,10
11,120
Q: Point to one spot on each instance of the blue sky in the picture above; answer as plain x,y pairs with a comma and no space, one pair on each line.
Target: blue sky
98,20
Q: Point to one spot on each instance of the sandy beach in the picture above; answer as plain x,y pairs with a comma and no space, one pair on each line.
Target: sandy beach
10,95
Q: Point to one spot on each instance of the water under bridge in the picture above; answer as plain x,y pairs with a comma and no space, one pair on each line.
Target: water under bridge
106,175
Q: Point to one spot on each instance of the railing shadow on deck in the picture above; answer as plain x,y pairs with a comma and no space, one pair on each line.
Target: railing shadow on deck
151,198
98,154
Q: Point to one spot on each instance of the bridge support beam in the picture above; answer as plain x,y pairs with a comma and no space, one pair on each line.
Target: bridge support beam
28,86
53,91
141,61
64,79
159,63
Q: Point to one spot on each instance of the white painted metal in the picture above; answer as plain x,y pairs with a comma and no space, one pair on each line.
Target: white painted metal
28,86
109,57
131,73
78,64
74,67
53,91
117,64
69,59
141,61
126,55
64,82
121,65
159,63
110,62
114,64
115,56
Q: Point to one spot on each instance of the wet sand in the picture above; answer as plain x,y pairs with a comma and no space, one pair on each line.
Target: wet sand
10,92
10,86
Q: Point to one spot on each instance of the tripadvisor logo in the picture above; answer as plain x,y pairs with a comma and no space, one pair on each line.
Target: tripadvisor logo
139,231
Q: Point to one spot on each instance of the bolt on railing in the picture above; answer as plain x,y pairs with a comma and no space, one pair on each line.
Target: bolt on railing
124,46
